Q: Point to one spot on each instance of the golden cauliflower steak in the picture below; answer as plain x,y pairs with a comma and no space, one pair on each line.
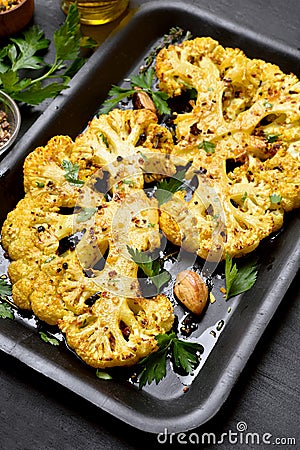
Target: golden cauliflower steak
242,136
68,239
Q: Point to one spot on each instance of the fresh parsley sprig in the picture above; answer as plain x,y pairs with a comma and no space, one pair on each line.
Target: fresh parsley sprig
241,279
142,81
102,375
166,188
185,356
151,268
23,53
6,311
5,288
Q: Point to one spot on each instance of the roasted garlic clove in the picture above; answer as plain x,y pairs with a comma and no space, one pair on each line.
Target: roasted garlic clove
191,290
141,100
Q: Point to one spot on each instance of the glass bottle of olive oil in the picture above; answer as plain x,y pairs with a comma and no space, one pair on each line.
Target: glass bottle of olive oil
96,12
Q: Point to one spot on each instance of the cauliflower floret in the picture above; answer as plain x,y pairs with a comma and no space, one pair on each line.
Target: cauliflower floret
35,225
121,134
45,170
60,285
234,93
230,211
117,331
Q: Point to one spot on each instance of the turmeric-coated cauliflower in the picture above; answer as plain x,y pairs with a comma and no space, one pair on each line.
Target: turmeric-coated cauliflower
242,136
68,238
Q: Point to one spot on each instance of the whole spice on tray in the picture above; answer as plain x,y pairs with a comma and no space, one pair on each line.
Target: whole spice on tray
191,290
5,132
6,5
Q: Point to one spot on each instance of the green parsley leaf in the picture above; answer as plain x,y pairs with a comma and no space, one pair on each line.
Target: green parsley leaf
51,258
151,268
102,375
48,339
67,37
36,93
166,188
268,105
185,355
6,311
116,94
161,279
85,214
143,80
160,101
241,279
155,367
208,147
39,184
25,56
275,198
5,288
72,172
271,138
244,197
104,139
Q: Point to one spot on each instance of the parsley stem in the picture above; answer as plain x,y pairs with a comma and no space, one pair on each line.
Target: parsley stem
52,69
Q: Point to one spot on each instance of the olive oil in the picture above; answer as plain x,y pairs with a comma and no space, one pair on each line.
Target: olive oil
97,12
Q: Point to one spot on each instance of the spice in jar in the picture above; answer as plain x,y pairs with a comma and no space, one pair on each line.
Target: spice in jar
6,5
5,131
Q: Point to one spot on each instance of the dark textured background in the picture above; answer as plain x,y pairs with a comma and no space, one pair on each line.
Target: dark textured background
37,414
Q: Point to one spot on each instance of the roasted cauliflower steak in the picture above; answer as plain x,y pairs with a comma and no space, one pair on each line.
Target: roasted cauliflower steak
242,136
67,238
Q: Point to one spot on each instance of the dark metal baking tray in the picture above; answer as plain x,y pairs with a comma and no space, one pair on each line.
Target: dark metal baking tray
226,353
